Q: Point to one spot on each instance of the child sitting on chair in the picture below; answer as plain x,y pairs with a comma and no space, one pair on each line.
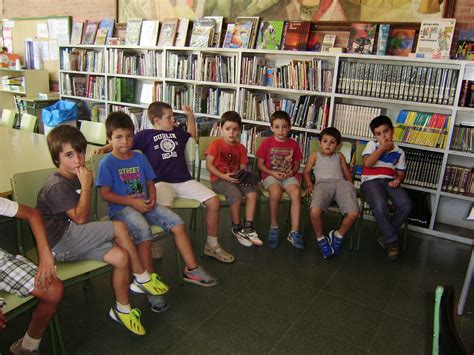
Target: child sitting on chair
279,159
21,277
224,158
333,182
126,182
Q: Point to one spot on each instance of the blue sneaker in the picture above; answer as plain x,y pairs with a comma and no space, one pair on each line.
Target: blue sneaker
326,249
335,242
273,237
296,240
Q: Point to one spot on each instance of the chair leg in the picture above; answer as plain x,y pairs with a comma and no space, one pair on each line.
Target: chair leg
466,285
405,230
180,267
359,231
52,336
59,335
202,235
86,285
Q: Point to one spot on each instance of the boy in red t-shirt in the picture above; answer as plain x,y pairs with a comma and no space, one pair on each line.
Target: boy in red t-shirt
226,156
279,159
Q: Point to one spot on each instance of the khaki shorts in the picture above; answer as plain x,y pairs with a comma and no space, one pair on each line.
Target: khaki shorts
339,190
270,180
166,192
232,192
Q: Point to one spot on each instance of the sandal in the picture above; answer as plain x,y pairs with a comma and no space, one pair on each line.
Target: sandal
219,253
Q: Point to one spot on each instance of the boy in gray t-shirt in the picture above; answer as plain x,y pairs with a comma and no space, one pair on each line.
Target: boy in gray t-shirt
333,183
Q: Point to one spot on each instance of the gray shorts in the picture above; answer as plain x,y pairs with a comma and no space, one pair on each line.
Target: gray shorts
17,274
270,180
339,190
85,241
232,192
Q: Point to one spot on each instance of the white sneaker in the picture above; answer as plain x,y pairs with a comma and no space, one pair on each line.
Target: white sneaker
242,238
252,235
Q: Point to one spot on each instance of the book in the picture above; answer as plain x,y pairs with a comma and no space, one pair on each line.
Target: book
254,32
107,23
328,42
361,38
132,37
90,32
315,38
270,34
76,33
182,32
382,39
240,33
435,37
401,42
168,32
296,35
79,86
228,35
149,33
101,36
218,20
202,33
465,49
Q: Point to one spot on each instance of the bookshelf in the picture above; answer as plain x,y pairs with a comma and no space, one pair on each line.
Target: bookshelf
21,82
319,89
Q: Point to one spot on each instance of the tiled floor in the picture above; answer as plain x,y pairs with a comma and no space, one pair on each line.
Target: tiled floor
279,301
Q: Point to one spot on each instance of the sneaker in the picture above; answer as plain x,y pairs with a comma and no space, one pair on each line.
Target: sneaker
17,349
335,242
252,235
158,303
381,242
326,249
131,320
156,250
392,251
273,237
241,237
152,287
296,240
199,277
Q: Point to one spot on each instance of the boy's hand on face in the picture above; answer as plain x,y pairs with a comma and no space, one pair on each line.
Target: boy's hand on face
387,146
85,177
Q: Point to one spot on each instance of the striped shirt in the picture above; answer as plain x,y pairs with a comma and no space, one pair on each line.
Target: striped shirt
386,165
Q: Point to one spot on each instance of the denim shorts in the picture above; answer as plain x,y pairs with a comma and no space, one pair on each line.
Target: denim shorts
139,223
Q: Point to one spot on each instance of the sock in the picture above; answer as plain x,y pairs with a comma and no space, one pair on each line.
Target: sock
320,238
29,343
212,241
274,227
142,278
123,308
248,224
293,232
338,235
236,226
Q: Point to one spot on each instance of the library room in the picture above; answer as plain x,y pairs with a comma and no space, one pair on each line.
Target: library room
245,243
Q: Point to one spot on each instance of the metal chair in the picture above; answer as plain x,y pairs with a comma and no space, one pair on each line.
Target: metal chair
8,118
94,132
28,122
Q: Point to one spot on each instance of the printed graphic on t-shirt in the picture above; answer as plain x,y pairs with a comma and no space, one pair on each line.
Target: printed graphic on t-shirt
167,145
230,161
281,159
131,178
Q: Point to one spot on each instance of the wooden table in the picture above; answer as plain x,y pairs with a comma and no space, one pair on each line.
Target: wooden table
21,152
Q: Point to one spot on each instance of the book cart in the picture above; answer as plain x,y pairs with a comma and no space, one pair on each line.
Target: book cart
320,89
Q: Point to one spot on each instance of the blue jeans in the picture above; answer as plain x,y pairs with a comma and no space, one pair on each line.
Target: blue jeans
376,193
139,223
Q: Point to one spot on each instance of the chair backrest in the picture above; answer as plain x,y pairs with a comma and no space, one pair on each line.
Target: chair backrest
8,118
94,132
345,148
28,122
202,147
446,339
358,153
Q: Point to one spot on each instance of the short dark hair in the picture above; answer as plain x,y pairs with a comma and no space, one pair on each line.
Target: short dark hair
231,116
280,115
379,121
118,119
331,131
65,134
157,109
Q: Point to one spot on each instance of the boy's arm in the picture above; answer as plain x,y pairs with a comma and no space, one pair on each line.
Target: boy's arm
345,169
80,213
307,172
191,123
295,168
102,150
399,178
372,158
214,171
137,204
46,271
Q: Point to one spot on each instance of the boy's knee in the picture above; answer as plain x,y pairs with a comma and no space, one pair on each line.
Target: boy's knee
213,203
117,257
315,213
54,293
120,228
353,215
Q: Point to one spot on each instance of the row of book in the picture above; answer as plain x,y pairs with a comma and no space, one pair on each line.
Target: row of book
421,128
214,101
80,59
13,83
178,96
203,67
466,97
354,120
314,74
423,168
138,116
92,86
463,138
122,89
127,62
458,180
398,82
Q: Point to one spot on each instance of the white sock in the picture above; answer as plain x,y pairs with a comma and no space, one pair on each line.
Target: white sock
29,343
339,235
212,241
274,227
142,278
320,238
123,308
